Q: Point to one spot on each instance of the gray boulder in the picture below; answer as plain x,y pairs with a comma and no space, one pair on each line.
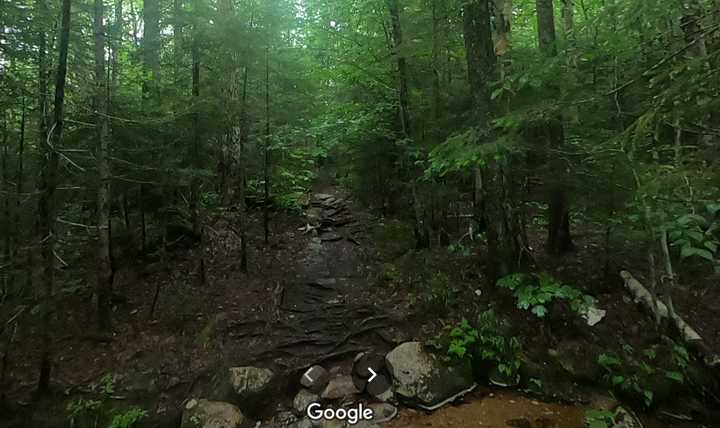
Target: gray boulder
285,419
303,399
248,382
211,414
315,378
339,387
422,378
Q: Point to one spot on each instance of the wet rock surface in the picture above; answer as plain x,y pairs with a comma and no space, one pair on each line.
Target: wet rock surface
315,378
248,382
339,387
422,378
211,414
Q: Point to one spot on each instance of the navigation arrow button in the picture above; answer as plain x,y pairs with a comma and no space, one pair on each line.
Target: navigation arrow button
373,375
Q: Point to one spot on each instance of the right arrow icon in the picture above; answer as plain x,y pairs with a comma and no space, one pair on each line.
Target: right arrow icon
373,374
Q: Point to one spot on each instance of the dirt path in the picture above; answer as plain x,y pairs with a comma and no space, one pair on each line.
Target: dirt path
320,309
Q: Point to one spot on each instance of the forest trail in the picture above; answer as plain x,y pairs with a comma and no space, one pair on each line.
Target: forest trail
320,311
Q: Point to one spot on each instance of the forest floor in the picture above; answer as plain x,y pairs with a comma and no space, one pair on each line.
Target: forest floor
310,299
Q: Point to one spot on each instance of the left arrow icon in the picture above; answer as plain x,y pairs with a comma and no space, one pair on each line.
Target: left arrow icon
307,376
372,372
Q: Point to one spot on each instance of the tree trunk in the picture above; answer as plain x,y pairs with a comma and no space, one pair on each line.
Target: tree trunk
506,243
242,205
19,185
266,166
116,44
6,261
559,239
195,147
397,39
177,38
104,268
503,27
421,230
480,57
568,15
47,209
151,46
436,96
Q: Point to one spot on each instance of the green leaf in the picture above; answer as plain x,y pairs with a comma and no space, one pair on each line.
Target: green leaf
648,397
713,208
688,251
617,380
539,310
676,376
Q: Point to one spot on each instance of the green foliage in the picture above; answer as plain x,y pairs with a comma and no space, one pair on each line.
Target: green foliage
486,340
695,236
535,292
638,373
106,384
600,419
293,175
129,418
461,337
459,248
84,412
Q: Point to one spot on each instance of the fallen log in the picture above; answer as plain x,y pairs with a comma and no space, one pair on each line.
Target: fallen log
660,311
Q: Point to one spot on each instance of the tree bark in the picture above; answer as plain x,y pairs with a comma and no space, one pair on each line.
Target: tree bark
436,95
47,208
242,205
116,44
559,239
505,238
104,267
195,147
402,69
266,149
177,38
19,185
151,46
480,57
421,230
503,27
568,15
6,259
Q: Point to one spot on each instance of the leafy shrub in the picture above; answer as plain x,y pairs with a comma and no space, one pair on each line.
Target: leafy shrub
84,412
600,419
535,292
695,236
486,342
637,374
128,418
